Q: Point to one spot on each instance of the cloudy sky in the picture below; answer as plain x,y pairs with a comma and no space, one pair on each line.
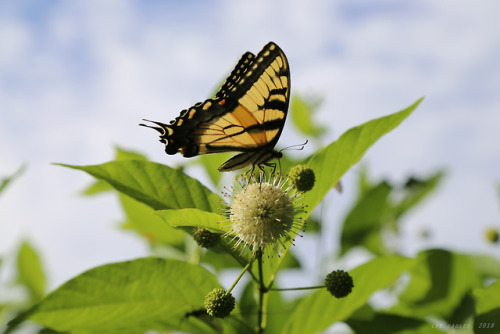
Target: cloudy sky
77,77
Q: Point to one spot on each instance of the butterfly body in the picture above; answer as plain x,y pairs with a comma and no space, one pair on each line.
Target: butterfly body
247,114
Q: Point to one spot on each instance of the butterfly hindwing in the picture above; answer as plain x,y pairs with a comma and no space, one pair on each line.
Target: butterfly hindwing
247,114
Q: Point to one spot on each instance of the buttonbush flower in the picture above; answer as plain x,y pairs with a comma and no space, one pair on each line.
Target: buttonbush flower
219,303
339,283
302,178
205,238
492,235
264,213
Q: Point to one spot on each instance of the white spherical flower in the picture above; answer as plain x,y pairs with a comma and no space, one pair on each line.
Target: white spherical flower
263,214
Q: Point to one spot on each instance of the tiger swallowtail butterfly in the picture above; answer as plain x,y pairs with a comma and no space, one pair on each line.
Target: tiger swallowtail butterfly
246,115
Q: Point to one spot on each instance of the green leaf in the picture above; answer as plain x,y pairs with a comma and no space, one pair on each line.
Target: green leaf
320,310
390,323
439,283
488,299
5,182
193,218
30,272
143,219
279,311
219,259
487,309
330,163
487,266
101,186
98,187
365,218
301,112
463,314
48,331
376,211
370,321
211,163
124,154
249,303
156,185
364,183
416,191
313,225
128,297
210,221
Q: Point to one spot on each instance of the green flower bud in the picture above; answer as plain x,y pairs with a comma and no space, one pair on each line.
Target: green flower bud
205,238
492,235
302,178
339,283
219,303
413,182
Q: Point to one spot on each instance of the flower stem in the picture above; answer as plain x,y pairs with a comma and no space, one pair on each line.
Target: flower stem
262,289
295,289
229,249
240,276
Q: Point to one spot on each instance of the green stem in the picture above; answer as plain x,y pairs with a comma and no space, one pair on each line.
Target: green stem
295,289
230,250
240,276
262,289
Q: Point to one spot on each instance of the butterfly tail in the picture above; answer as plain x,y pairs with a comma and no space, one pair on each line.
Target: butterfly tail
161,128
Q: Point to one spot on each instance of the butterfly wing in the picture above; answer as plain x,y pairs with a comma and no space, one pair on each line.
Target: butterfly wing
247,114
239,70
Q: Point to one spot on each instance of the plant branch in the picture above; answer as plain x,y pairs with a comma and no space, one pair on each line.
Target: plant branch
240,276
262,289
295,289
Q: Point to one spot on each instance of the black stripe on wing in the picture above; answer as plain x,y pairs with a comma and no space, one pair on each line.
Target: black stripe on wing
267,126
240,68
276,105
260,63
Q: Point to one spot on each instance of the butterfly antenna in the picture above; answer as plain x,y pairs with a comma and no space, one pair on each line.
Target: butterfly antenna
298,147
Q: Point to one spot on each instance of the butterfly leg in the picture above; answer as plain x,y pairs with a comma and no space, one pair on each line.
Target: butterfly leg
262,172
273,165
249,174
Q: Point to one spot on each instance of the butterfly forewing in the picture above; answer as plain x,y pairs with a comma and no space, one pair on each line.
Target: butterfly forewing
257,103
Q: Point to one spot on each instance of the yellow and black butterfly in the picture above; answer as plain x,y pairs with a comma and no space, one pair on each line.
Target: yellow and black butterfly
247,115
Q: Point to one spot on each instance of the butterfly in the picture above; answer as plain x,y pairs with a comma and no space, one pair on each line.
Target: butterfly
246,115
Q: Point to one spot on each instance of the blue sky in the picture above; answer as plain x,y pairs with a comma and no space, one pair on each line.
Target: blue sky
77,77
